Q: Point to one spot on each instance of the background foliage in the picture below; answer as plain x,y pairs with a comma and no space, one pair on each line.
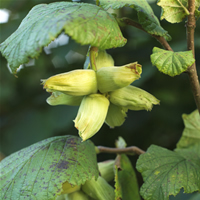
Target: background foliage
26,118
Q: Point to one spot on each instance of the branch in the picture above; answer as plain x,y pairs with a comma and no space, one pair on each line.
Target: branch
192,72
128,150
160,39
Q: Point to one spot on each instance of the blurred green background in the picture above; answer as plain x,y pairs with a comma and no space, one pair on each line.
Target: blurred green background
26,118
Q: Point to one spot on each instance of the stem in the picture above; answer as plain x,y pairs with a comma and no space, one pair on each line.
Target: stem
93,55
127,150
192,72
160,39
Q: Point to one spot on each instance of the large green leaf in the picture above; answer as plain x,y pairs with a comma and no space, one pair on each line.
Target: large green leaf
38,171
191,133
175,11
145,13
126,186
171,63
85,23
165,172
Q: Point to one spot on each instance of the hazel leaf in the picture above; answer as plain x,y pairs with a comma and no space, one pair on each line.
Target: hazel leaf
191,133
126,186
175,11
171,63
146,16
85,23
38,171
165,172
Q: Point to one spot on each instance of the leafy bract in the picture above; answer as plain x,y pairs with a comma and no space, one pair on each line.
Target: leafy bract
38,171
175,11
171,63
126,186
145,14
191,133
165,172
85,23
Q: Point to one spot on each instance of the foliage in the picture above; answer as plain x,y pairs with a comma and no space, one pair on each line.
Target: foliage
171,63
125,178
176,11
190,134
145,14
39,170
166,172
27,173
54,18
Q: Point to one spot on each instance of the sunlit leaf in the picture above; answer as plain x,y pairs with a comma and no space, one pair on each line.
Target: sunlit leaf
165,172
171,63
126,186
145,13
175,11
38,171
85,23
191,133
